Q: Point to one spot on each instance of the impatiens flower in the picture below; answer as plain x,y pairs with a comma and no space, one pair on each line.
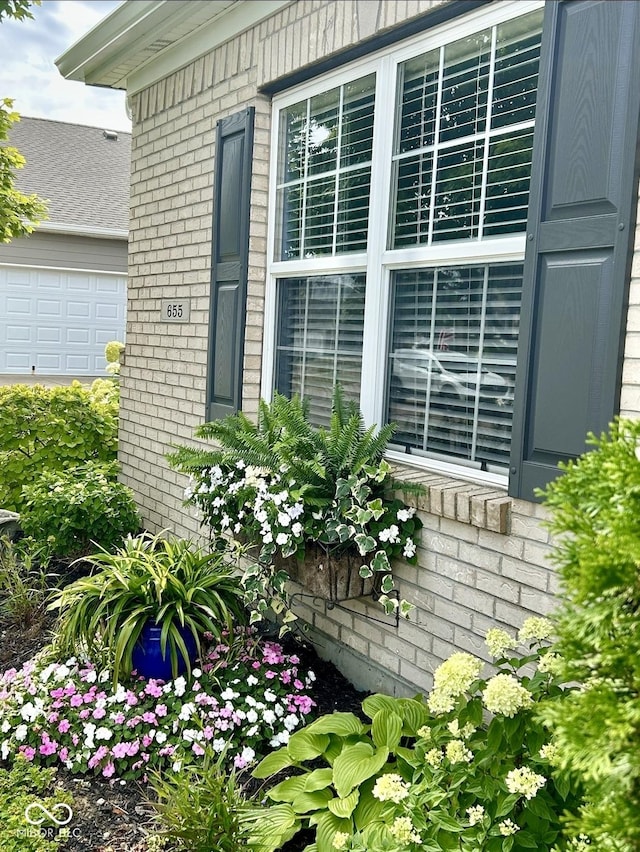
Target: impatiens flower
524,782
409,549
505,695
535,629
391,787
498,641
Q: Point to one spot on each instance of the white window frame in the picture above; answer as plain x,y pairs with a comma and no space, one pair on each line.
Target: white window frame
378,264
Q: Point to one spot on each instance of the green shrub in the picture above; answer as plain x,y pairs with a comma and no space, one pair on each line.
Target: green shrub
71,510
23,580
199,807
469,769
26,785
596,519
52,429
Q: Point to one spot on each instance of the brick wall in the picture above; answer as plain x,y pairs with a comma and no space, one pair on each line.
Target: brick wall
483,557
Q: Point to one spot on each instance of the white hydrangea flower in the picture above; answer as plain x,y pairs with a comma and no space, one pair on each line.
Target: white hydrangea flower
524,782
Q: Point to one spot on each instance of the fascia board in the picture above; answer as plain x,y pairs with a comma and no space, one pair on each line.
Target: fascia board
239,18
83,230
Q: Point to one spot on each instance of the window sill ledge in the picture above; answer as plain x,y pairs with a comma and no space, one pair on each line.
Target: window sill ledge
481,506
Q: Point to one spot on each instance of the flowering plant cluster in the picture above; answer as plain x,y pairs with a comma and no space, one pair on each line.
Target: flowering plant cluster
471,768
246,697
287,486
269,509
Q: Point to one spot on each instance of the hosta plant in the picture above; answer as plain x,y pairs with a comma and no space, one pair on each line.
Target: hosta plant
469,768
286,486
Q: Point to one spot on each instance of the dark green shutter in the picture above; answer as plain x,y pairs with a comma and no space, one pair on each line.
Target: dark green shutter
579,235
230,250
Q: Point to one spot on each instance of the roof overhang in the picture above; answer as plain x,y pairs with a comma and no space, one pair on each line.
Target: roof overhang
72,229
142,41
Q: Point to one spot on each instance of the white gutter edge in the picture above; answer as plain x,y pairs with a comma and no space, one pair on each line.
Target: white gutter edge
83,231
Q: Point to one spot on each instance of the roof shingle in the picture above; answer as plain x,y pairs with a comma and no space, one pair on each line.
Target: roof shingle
83,174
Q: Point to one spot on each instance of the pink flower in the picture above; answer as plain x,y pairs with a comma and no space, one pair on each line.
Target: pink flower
153,689
132,699
255,665
196,748
48,746
84,714
64,726
75,739
120,750
270,675
146,741
52,718
89,697
63,754
99,713
97,757
57,693
161,710
149,718
76,700
119,718
298,684
285,677
108,770
133,748
28,752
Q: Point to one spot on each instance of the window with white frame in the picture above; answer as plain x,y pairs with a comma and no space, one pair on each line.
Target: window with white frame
399,202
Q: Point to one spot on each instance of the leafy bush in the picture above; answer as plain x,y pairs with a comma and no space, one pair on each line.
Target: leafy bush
247,696
283,484
22,786
596,518
199,807
23,580
428,776
69,510
52,429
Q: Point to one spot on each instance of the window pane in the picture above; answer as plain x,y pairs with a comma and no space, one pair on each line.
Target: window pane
418,99
452,360
482,168
326,148
516,71
321,320
458,188
465,85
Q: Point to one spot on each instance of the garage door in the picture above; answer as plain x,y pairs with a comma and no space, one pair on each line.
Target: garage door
58,321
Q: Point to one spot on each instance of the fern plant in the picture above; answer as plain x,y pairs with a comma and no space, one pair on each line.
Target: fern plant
283,484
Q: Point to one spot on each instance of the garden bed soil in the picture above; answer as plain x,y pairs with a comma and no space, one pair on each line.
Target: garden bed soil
117,817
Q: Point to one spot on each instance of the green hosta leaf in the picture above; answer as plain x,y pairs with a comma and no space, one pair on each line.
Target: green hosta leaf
342,724
355,764
414,715
376,836
327,825
272,827
318,780
344,807
369,808
373,703
365,543
380,562
286,791
316,801
386,729
272,763
305,745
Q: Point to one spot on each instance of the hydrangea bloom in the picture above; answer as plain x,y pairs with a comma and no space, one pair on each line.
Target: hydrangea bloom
403,830
391,788
535,629
505,695
457,752
451,679
524,782
498,641
340,840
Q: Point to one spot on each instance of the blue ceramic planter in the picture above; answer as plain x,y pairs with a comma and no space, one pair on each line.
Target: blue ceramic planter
147,656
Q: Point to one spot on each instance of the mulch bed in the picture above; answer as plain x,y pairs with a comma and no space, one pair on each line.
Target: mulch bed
117,818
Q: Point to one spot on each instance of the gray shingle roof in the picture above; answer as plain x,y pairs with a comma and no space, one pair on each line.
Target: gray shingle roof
84,175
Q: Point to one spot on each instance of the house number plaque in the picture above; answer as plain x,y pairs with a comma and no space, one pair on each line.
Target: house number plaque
175,310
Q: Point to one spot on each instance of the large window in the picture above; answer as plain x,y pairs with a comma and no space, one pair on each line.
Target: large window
400,202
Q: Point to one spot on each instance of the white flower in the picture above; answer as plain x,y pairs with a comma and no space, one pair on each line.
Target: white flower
252,717
161,737
191,735
248,754
218,744
475,814
6,726
176,765
267,538
228,694
283,519
290,722
295,511
187,711
61,673
103,734
282,538
390,534
252,681
409,549
179,686
296,529
524,781
29,712
280,739
21,732
91,676
269,695
5,750
405,514
196,673
268,716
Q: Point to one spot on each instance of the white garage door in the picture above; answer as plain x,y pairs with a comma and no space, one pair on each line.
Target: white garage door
58,321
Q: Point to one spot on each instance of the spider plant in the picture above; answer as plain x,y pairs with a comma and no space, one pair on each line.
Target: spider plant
165,582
